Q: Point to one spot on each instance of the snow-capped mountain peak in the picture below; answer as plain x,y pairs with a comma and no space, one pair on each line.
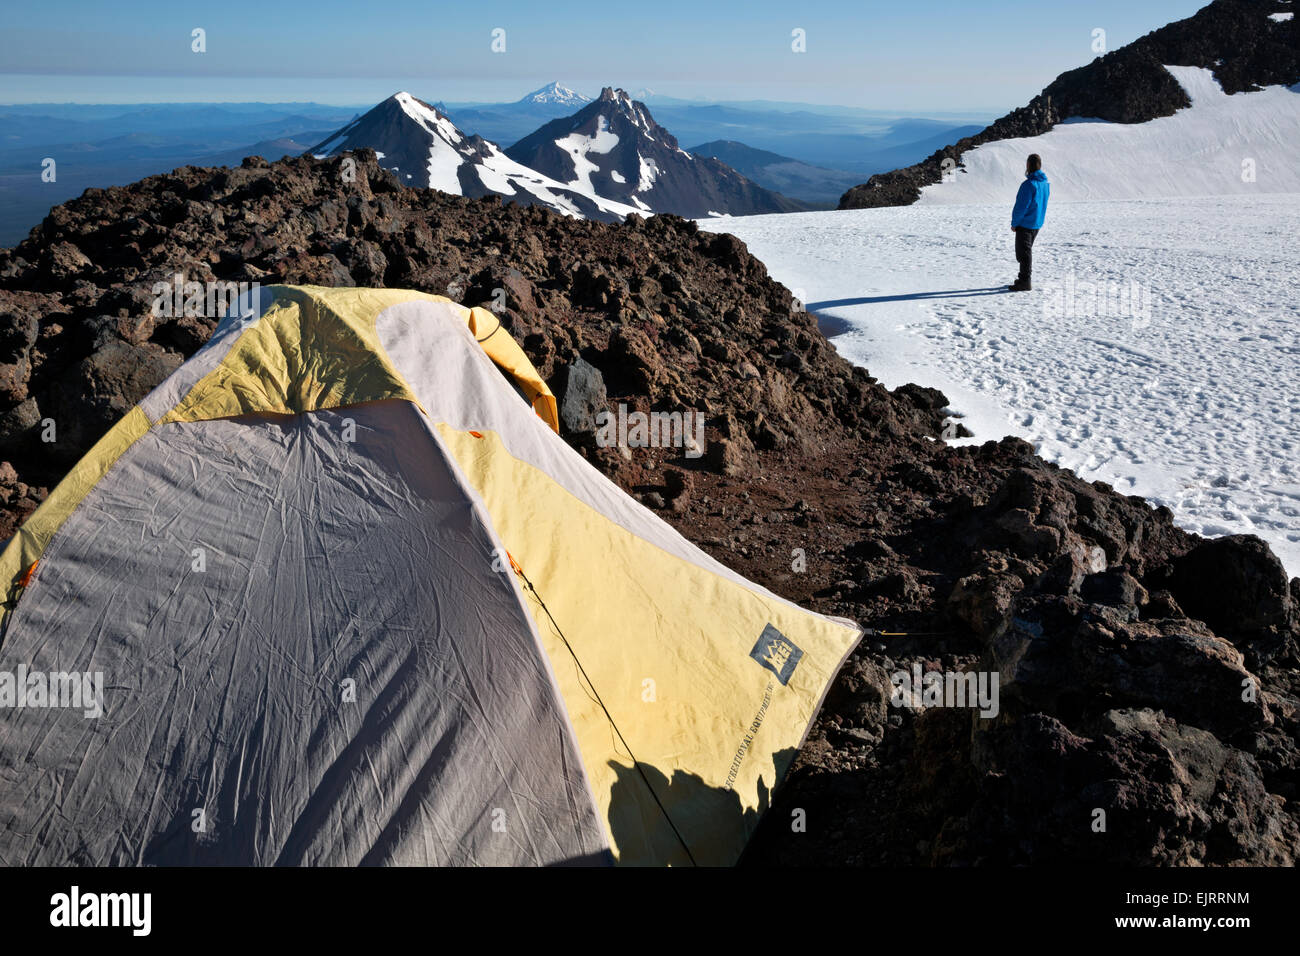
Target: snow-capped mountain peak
428,117
635,111
555,94
614,147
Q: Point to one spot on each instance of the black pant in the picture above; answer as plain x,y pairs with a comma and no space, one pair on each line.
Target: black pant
1025,252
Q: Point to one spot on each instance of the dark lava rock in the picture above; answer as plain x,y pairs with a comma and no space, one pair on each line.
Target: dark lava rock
581,388
1234,584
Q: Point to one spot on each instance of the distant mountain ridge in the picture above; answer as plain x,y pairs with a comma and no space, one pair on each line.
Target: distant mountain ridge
605,161
781,174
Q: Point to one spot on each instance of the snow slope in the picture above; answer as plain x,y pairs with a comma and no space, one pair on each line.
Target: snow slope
1187,392
444,158
1199,151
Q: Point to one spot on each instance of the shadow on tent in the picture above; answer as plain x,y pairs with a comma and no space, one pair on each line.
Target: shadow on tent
707,819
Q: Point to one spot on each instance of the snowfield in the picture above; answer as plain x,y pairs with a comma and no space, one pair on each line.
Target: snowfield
1159,350
1245,143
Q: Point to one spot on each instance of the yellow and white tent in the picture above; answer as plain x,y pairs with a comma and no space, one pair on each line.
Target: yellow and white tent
347,599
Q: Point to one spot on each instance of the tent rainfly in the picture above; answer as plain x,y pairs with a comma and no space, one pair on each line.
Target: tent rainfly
337,593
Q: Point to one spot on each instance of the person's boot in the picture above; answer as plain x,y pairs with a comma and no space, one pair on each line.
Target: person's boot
1020,285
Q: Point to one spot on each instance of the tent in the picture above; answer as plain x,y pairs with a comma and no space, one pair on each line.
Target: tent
337,593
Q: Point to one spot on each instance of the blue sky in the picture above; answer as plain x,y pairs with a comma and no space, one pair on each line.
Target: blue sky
934,55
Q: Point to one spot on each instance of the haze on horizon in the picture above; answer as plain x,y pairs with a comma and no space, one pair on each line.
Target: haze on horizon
941,57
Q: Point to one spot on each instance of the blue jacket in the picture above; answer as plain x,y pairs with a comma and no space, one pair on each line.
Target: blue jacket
1031,201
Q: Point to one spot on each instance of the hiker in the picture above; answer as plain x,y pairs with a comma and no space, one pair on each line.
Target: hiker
1027,218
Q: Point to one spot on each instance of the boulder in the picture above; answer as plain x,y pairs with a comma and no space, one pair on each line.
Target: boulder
581,389
1234,584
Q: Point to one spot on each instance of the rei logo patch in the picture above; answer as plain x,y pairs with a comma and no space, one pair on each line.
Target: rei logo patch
777,653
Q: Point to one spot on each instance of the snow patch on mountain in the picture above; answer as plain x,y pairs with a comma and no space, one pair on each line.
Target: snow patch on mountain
578,146
1199,84
648,172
